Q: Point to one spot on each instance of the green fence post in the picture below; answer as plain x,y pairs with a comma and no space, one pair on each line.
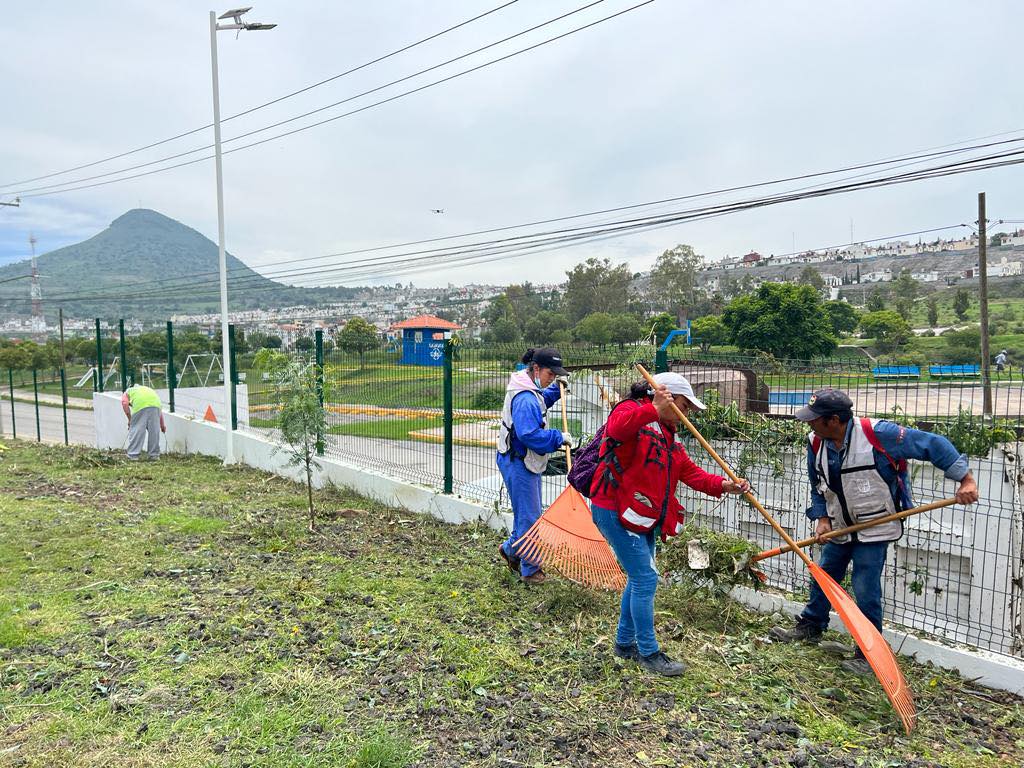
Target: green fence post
448,417
234,376
319,339
64,402
661,361
14,421
35,393
172,376
98,386
124,357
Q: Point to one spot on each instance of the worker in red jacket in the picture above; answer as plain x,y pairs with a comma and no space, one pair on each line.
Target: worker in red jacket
633,497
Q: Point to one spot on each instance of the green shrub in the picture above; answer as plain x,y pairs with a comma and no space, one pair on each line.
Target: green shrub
489,398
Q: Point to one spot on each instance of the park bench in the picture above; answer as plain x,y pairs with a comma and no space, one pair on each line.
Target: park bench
896,372
954,371
788,398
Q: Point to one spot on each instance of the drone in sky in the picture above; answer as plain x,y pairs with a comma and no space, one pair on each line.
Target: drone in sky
437,210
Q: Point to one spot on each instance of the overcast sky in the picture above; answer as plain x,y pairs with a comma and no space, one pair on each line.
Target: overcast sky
674,98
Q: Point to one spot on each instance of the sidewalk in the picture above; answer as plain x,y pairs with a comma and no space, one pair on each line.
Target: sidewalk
26,396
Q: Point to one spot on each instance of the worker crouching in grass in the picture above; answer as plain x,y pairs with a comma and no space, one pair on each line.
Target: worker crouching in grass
633,496
857,468
141,406
524,442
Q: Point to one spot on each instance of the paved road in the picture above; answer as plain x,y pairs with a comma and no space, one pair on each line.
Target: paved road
81,427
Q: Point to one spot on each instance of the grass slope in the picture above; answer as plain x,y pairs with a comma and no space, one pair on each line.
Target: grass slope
178,614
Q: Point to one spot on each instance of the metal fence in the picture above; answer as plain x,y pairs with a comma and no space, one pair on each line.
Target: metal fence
433,420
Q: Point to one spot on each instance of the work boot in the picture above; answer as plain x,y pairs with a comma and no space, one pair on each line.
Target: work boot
627,652
660,664
801,633
535,578
858,665
510,560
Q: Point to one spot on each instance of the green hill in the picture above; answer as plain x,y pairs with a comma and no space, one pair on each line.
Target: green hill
128,261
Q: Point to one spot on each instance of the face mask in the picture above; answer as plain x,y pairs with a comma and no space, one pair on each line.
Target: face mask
536,380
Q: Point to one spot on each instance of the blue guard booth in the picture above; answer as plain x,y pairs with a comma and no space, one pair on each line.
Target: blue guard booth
423,339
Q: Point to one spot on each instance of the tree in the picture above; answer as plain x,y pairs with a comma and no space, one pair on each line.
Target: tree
876,302
544,326
597,286
301,421
625,329
188,343
709,330
358,336
503,332
906,289
933,311
842,316
661,326
783,319
810,276
595,328
963,347
259,340
961,303
887,328
674,279
304,344
16,358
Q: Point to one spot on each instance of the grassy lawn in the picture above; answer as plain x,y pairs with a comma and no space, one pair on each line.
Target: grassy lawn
180,614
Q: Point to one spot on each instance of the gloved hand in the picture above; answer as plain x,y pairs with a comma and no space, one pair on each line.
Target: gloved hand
567,438
564,382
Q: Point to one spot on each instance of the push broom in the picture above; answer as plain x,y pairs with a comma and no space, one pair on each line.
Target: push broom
870,641
564,539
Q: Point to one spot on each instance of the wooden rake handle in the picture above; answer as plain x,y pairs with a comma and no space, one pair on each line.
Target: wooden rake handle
565,426
728,471
854,528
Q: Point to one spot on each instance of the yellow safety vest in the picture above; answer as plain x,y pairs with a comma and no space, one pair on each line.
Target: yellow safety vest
140,397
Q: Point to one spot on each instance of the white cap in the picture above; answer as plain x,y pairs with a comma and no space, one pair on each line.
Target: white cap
677,384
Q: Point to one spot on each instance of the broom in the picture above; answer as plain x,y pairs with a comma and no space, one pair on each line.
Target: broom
877,652
565,540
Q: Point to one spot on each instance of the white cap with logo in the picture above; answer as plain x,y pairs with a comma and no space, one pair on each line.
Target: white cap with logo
677,384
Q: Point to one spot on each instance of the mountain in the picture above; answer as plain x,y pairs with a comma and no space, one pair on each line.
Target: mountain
130,262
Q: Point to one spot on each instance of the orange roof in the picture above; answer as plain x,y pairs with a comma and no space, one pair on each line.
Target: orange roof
425,321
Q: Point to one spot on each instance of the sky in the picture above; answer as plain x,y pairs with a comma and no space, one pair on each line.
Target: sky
673,98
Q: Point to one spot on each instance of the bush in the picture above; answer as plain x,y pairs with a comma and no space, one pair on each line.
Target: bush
928,333
489,399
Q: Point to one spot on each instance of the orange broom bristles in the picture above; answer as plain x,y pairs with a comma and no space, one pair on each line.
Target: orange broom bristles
565,539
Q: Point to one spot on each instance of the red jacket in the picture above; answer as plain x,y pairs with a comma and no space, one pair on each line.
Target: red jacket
641,465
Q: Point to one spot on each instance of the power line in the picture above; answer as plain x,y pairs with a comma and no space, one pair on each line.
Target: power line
912,157
267,103
30,193
393,266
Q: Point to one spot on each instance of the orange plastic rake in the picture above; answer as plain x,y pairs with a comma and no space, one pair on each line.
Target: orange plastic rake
565,539
870,641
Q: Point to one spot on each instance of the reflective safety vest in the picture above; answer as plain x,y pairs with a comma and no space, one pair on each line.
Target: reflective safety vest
140,397
535,462
863,493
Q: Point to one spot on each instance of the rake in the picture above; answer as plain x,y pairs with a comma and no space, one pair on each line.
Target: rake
564,539
870,641
854,528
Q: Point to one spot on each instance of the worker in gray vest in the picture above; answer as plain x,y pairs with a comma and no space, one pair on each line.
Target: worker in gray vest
858,471
524,442
141,406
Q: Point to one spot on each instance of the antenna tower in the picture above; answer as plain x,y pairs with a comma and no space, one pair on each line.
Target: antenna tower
38,321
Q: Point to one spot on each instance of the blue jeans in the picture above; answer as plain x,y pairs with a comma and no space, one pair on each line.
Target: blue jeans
524,493
868,560
635,553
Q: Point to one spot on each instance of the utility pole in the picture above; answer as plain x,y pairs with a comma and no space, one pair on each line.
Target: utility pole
38,321
15,204
986,378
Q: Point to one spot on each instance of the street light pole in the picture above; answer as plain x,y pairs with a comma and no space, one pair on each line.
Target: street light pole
237,24
229,446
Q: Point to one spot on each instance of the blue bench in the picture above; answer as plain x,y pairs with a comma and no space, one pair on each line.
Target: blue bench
954,371
788,398
896,372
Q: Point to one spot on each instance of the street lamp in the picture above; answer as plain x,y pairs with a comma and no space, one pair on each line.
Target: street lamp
236,23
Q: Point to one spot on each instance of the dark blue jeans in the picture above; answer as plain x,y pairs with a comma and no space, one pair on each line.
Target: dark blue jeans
635,553
868,560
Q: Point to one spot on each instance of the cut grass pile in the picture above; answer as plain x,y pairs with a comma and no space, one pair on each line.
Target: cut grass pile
179,614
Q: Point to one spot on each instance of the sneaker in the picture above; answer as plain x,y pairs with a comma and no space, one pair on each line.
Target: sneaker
801,633
535,578
510,560
627,652
660,664
858,665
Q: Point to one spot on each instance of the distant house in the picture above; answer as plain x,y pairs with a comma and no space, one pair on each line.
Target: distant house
423,339
751,258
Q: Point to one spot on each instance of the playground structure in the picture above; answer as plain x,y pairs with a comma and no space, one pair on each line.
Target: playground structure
147,371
